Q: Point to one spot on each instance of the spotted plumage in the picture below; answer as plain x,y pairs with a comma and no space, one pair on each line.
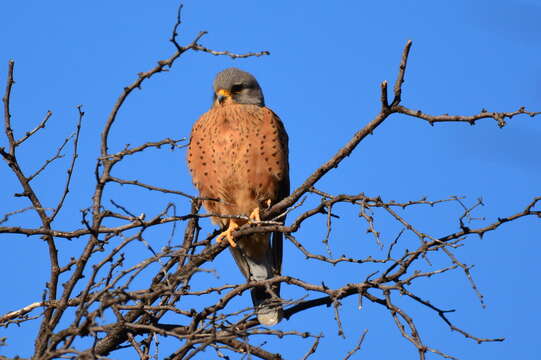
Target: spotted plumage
238,154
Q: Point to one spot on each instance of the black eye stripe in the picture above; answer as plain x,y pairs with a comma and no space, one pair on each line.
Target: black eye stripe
236,88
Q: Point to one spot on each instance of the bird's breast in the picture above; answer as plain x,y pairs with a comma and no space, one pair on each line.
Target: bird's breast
236,153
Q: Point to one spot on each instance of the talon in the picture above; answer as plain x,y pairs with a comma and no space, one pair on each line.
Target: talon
254,216
268,202
228,234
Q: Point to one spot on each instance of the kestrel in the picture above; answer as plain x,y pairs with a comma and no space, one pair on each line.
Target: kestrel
238,154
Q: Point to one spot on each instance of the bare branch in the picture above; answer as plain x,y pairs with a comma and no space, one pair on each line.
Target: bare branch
41,125
56,156
401,72
150,187
7,115
198,47
357,347
347,149
71,166
499,117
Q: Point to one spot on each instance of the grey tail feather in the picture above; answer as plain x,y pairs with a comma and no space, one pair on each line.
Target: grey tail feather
269,312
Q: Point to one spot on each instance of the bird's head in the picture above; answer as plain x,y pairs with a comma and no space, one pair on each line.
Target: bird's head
235,86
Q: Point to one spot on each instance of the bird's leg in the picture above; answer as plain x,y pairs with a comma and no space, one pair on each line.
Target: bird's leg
228,234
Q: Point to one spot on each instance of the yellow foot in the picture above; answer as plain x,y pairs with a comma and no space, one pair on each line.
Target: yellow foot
228,234
254,216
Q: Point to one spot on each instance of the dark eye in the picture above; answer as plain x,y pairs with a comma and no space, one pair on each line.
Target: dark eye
236,88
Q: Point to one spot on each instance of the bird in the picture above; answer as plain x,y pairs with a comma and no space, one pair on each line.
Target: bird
238,160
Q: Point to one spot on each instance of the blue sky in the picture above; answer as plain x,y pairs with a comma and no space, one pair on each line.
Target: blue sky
322,77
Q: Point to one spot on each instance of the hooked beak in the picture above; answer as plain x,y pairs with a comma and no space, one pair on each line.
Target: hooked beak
222,94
